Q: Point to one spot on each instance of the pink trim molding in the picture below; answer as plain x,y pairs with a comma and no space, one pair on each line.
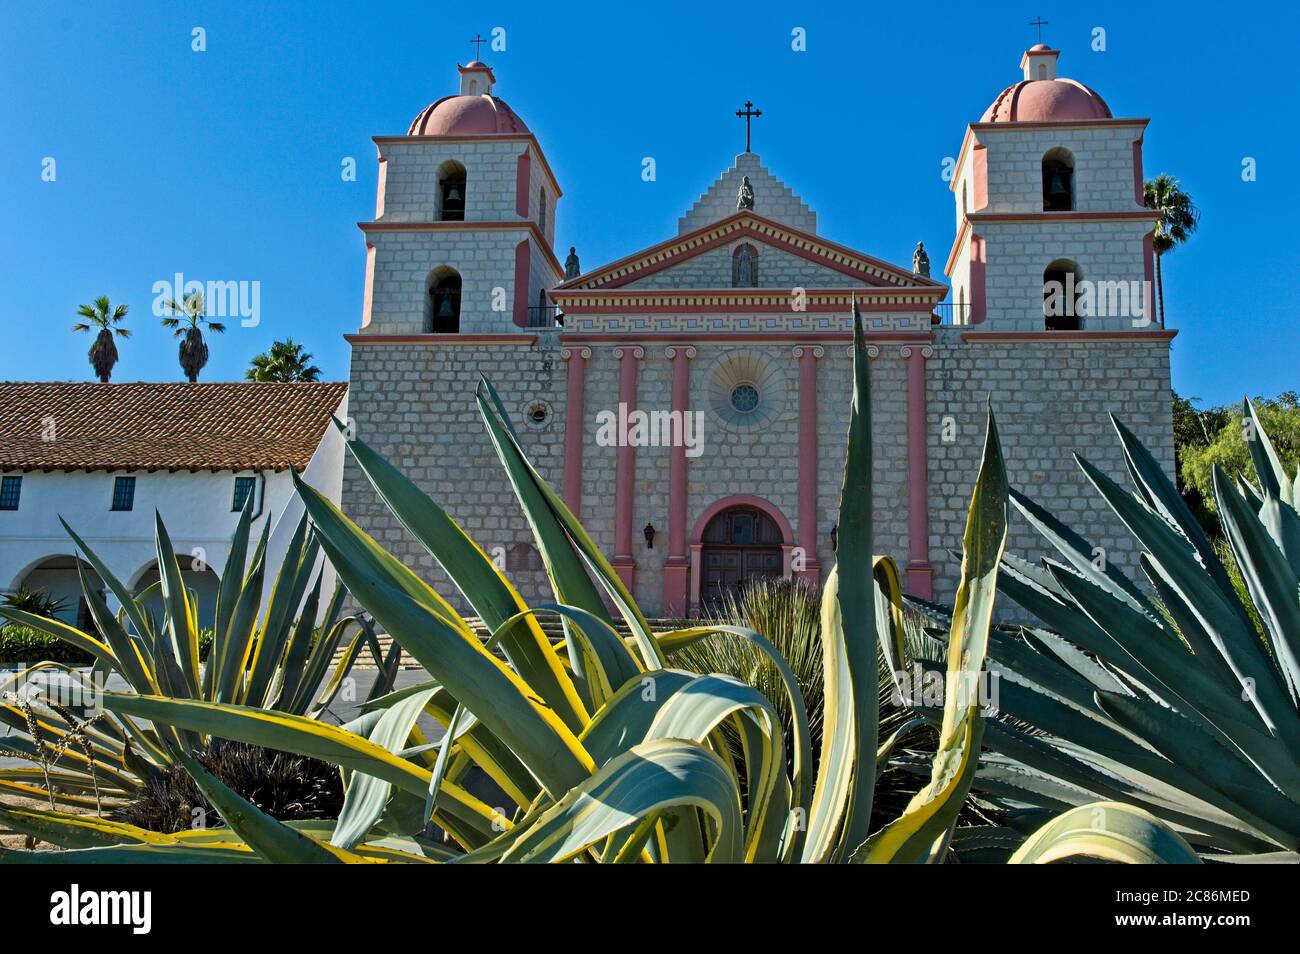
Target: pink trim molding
865,268
523,179
807,356
1139,185
574,414
1159,334
677,567
368,301
920,574
737,337
979,173
523,261
625,471
978,259
442,340
1149,273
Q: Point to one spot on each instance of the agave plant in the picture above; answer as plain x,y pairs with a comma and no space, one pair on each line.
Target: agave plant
602,751
86,758
1165,696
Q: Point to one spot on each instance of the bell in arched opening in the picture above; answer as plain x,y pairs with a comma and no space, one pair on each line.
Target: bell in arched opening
1058,183
445,295
453,196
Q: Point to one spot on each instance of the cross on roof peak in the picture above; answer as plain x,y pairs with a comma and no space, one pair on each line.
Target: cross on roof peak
1039,22
748,113
478,42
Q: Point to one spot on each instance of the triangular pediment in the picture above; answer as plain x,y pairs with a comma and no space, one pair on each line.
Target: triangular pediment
787,257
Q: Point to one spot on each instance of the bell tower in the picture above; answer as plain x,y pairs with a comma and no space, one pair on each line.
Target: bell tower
1051,232
464,226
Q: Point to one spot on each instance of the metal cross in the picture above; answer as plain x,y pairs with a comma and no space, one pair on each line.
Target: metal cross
748,113
478,42
1040,23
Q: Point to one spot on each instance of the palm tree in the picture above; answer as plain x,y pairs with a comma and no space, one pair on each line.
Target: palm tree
286,361
1176,221
102,315
192,317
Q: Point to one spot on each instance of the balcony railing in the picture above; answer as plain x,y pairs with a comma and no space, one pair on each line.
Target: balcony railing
953,313
545,316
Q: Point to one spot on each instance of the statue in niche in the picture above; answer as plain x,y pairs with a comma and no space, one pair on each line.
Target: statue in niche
920,261
744,267
745,196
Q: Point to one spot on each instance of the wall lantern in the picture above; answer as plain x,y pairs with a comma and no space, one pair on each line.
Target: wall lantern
649,532
835,537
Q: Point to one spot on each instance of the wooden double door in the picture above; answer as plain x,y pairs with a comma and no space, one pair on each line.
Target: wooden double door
739,545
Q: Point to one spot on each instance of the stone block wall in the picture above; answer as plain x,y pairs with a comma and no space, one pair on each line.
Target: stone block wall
1103,166
1051,400
414,403
1019,252
411,178
484,258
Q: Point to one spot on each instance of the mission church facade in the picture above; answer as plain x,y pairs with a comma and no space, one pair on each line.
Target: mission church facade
742,319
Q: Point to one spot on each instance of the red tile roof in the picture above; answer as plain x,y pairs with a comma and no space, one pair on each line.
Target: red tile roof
142,426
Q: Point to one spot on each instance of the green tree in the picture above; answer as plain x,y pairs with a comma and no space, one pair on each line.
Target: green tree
186,320
102,315
1176,220
1227,445
286,361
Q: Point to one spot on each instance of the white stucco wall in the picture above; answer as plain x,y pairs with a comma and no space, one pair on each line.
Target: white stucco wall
195,507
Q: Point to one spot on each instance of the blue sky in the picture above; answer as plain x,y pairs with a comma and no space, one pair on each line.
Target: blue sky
226,164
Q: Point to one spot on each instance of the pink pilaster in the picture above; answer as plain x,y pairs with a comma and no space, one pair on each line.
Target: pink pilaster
919,572
523,267
575,411
677,567
978,259
806,564
523,179
625,471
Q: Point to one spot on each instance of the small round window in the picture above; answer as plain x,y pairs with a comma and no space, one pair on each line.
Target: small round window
537,414
744,398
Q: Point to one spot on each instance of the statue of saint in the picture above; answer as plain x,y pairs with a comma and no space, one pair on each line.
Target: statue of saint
571,267
745,197
744,267
920,261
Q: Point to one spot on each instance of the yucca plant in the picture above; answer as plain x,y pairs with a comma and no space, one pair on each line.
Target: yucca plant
278,661
603,752
787,613
1165,695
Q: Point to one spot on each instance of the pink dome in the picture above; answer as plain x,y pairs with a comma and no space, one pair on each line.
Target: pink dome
1054,100
467,116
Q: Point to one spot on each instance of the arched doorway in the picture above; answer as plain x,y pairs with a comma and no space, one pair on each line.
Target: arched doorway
203,583
741,544
55,582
